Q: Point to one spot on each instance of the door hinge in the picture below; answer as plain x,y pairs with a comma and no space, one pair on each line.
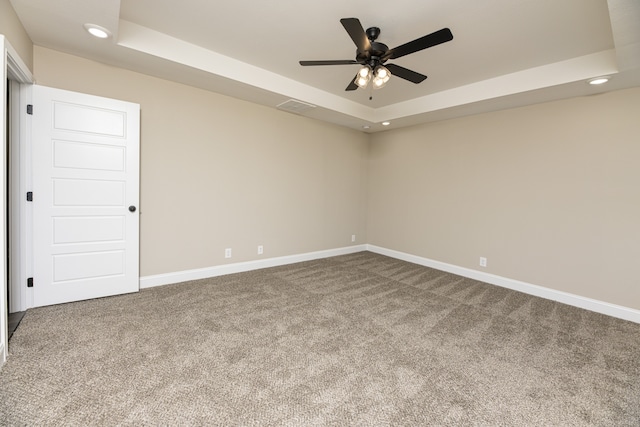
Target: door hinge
30,282
29,196
29,109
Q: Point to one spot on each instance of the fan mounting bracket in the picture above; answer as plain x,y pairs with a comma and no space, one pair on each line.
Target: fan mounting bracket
373,33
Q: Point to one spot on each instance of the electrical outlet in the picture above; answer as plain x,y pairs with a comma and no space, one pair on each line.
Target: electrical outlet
353,237
483,261
260,250
227,253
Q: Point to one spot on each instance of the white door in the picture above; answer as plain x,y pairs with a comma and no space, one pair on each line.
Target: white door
86,153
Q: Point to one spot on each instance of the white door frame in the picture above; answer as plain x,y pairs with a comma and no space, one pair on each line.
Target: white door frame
20,225
12,67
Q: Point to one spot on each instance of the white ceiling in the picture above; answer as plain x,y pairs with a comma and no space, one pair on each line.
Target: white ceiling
505,53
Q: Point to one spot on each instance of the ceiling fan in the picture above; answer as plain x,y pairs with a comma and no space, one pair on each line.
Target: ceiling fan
372,55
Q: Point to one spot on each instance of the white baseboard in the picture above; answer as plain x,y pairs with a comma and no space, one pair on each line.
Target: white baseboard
597,306
240,267
602,307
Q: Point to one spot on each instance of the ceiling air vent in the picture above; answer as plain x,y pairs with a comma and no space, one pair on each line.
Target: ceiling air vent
295,106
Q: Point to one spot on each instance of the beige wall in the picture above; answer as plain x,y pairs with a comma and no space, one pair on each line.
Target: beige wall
13,30
549,193
219,173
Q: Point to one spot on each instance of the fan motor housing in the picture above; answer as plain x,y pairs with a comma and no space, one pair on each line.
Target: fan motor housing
376,52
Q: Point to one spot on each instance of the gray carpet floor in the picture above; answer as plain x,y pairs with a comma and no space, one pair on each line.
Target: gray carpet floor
360,339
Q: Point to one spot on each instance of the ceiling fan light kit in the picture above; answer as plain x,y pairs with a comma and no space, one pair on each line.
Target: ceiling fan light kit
379,77
371,55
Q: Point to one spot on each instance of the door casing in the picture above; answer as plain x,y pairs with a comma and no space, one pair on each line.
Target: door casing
13,68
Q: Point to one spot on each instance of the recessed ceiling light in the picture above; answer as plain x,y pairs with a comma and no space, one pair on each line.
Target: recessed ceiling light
366,127
386,123
599,80
97,31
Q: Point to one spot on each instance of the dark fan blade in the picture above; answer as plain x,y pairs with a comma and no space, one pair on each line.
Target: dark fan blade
330,62
356,32
353,85
405,73
442,36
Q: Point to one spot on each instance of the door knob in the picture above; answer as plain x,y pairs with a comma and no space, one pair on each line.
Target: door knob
132,208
